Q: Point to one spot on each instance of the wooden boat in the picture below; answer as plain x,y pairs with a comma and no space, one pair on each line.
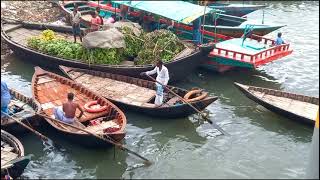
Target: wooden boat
236,9
231,9
24,109
13,161
137,94
227,25
181,30
237,31
248,53
294,106
50,90
15,34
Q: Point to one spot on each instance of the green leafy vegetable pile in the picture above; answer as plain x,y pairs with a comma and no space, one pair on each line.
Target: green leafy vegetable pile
65,49
160,44
147,48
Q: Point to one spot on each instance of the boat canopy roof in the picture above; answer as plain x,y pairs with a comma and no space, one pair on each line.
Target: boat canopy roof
180,11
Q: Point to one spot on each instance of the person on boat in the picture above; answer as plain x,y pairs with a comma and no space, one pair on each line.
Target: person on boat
95,22
98,11
123,11
279,40
75,19
5,98
196,31
68,111
162,77
111,19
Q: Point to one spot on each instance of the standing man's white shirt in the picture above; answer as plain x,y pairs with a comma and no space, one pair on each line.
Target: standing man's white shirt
162,76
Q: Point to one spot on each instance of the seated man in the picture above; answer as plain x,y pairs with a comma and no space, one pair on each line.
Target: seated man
279,40
68,111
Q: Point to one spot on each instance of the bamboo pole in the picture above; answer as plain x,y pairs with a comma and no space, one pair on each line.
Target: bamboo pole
120,146
202,115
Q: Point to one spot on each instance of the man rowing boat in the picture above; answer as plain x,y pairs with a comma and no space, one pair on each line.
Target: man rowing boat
162,77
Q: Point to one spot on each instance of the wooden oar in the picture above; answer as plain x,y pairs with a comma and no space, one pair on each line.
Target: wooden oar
120,146
202,115
43,137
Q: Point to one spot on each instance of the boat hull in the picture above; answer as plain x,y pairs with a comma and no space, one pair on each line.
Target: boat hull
179,111
84,140
21,162
236,10
167,110
237,32
178,68
276,109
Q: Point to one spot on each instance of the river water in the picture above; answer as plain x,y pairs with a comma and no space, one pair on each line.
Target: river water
262,144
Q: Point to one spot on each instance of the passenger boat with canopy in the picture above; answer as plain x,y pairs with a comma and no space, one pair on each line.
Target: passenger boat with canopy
139,94
13,160
297,107
100,117
224,25
180,26
21,108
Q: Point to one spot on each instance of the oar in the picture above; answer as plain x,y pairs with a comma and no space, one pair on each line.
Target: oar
120,146
43,137
202,115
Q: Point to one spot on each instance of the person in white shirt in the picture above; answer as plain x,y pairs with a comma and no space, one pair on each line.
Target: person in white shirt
162,77
75,19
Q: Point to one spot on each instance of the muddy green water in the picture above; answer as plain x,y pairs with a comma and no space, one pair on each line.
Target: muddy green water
262,144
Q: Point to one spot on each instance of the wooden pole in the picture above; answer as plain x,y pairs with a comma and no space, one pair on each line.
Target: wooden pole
45,138
202,115
120,146
204,20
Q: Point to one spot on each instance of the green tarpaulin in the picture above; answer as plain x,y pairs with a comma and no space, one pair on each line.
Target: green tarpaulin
180,11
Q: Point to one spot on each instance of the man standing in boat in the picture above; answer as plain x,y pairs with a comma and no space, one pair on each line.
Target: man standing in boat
68,111
75,19
162,77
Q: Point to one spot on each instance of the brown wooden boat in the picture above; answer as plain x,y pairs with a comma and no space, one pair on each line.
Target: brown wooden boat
294,106
50,90
15,34
13,161
138,94
23,109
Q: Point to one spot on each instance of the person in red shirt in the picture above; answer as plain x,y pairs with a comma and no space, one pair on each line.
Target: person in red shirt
95,22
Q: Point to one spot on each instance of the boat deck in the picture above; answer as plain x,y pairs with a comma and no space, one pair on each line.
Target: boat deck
303,109
117,90
253,53
21,35
53,94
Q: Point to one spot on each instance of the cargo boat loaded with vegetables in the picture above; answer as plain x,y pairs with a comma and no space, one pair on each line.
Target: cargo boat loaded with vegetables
36,43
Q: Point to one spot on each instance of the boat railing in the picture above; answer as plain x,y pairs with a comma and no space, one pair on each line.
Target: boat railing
163,21
252,58
264,39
